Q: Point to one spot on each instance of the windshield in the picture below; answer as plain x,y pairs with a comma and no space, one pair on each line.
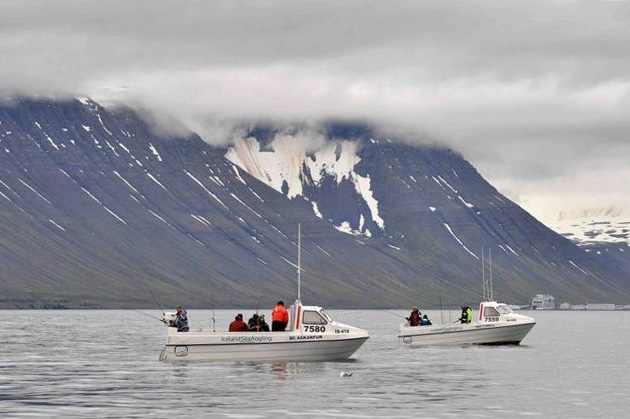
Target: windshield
503,309
326,316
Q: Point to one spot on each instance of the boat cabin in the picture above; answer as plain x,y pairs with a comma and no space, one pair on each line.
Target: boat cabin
308,319
492,312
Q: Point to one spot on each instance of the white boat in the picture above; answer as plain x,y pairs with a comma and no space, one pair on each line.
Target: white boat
311,335
496,324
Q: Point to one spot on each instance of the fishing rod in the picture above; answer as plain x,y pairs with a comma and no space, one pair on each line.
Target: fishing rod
149,315
153,297
213,320
395,314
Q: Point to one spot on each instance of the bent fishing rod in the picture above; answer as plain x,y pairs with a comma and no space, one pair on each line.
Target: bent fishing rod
149,315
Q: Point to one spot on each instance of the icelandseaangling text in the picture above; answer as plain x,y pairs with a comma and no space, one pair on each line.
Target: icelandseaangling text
245,339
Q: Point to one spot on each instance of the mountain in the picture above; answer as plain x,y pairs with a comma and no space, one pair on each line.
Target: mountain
97,210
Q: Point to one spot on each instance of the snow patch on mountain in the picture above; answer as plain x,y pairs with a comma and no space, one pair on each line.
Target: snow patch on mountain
291,162
595,225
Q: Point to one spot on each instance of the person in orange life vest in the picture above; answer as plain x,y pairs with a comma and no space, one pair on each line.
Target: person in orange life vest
279,317
238,325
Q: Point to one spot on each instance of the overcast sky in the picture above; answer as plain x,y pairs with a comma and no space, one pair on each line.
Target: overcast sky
535,94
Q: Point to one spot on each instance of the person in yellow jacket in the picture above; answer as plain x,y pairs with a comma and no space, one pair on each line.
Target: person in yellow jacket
467,314
279,317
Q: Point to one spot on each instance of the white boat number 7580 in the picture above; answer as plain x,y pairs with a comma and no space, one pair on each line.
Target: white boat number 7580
314,329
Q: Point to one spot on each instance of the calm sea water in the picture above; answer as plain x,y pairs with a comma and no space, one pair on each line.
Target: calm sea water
105,364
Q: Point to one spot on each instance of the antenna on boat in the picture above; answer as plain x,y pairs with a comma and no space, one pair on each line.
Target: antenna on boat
490,283
484,286
486,283
299,260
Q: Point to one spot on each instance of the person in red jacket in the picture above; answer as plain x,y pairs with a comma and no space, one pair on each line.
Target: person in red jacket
238,325
279,317
415,317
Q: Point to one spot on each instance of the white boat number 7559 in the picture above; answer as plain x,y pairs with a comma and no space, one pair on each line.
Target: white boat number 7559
314,329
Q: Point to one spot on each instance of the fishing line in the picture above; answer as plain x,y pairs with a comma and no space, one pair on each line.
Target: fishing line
149,315
155,301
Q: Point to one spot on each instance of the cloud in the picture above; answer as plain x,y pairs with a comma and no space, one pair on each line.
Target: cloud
532,93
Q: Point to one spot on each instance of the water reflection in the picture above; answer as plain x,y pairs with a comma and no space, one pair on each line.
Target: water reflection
279,370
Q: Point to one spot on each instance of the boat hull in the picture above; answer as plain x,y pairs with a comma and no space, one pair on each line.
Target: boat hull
258,347
465,334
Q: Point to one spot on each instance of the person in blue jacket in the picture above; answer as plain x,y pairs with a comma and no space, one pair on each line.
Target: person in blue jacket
181,319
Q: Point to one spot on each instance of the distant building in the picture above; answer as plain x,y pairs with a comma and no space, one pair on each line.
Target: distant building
600,306
543,302
591,306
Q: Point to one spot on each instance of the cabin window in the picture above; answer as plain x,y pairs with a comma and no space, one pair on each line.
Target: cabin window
503,309
490,312
312,317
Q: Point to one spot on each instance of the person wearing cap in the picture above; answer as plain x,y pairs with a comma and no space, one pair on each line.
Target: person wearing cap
181,319
414,317
279,317
238,325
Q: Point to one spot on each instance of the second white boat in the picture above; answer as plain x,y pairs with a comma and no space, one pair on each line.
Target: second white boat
497,324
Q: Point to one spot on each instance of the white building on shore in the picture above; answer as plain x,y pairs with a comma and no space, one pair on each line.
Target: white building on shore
543,302
592,306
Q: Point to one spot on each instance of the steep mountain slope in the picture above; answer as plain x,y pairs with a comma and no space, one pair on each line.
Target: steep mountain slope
427,203
98,211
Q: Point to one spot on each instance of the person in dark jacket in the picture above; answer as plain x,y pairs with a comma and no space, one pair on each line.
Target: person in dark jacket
258,324
425,321
238,325
181,319
252,323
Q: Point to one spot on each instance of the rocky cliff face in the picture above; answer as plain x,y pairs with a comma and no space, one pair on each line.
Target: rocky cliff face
98,211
